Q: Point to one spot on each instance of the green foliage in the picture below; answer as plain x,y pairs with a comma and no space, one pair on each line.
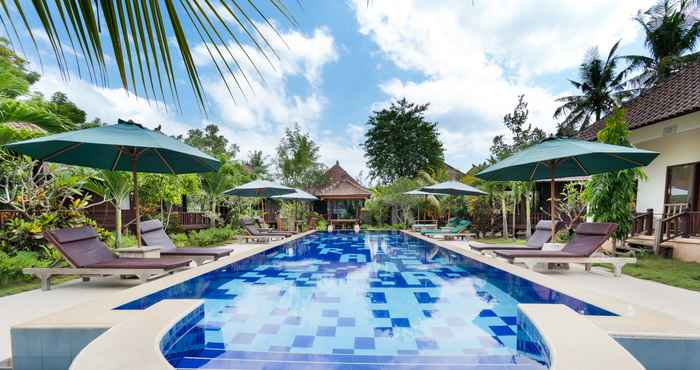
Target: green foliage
258,165
11,266
33,111
160,192
671,32
601,87
60,105
10,135
205,238
298,160
15,78
322,225
211,141
611,195
400,142
114,187
522,133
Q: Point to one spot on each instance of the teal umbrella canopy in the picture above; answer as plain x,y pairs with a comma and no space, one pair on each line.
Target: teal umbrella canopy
298,194
452,188
260,188
126,146
557,157
419,192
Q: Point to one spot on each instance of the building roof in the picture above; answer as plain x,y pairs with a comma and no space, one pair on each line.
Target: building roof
28,126
677,96
341,185
453,172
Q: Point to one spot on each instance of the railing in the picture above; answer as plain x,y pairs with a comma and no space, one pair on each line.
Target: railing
681,225
672,209
192,220
643,223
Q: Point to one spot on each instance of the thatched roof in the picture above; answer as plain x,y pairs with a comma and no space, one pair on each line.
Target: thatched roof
340,185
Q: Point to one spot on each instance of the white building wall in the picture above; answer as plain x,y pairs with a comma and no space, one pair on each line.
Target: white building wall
678,141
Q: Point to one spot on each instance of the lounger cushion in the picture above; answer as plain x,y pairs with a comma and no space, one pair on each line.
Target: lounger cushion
214,252
143,263
503,247
80,246
588,238
152,234
543,233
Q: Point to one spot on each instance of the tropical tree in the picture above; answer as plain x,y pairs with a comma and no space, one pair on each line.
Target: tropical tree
522,133
15,78
211,141
601,87
114,187
213,185
611,195
400,142
257,163
148,40
297,159
671,29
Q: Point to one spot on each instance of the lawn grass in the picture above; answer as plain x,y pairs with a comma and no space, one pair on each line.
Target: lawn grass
25,285
667,271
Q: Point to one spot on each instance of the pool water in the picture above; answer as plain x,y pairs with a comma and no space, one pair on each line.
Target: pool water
358,301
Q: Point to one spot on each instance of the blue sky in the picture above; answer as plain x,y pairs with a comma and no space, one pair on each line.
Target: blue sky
470,60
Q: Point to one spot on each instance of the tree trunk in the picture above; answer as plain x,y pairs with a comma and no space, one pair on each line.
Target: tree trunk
504,211
528,211
515,207
212,218
117,226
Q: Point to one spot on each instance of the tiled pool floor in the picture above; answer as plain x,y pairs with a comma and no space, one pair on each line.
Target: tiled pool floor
345,300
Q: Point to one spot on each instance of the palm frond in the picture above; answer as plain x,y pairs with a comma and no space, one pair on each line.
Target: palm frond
139,32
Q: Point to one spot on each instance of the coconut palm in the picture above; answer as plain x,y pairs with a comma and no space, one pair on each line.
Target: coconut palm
141,34
671,30
213,184
114,187
601,86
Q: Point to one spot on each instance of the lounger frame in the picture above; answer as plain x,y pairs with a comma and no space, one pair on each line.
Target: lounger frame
45,274
617,262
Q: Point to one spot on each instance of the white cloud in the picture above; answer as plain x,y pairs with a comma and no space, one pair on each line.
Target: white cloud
475,58
110,104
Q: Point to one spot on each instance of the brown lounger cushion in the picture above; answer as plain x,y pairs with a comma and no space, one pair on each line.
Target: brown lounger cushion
588,238
152,234
542,234
81,246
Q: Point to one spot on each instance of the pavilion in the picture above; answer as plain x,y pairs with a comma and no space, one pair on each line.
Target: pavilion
341,198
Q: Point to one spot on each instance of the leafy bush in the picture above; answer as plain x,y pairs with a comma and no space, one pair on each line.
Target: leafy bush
205,238
322,225
11,266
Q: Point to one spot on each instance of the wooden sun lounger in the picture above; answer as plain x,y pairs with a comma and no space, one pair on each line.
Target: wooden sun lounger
153,234
259,238
88,257
589,237
542,235
452,236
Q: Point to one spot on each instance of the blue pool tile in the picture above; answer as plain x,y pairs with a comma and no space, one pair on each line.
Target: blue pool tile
279,349
243,338
487,313
502,330
442,332
400,322
426,344
346,321
376,297
325,331
429,313
456,321
380,314
364,343
279,312
510,320
269,329
343,351
303,341
383,332
293,320
329,313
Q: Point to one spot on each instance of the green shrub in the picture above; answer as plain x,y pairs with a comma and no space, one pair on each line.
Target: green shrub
205,238
179,239
11,266
322,225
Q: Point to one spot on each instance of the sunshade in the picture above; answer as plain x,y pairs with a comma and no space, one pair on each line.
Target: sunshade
452,188
298,194
418,192
126,146
557,157
260,188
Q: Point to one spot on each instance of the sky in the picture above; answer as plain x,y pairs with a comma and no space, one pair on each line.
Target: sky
469,59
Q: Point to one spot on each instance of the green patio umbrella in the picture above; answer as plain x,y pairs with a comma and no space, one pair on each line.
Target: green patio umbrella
260,189
298,196
419,193
452,188
555,158
126,146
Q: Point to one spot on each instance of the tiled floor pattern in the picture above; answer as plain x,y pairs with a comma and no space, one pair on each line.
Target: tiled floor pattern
347,300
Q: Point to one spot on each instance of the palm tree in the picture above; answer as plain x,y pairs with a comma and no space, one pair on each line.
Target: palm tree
213,185
141,34
115,188
671,30
602,88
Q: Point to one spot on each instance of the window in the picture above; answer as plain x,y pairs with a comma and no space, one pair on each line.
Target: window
679,184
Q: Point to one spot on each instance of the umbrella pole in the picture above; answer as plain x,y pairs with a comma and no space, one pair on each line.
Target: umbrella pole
553,197
136,201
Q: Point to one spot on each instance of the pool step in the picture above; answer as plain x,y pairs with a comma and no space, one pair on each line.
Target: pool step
283,361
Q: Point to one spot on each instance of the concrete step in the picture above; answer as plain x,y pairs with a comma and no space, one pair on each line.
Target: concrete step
6,364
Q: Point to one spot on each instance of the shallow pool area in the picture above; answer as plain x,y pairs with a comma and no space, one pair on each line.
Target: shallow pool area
369,300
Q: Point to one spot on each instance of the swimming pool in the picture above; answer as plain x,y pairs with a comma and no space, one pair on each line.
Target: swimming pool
349,301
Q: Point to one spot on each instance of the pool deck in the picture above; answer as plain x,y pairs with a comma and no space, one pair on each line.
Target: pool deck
648,308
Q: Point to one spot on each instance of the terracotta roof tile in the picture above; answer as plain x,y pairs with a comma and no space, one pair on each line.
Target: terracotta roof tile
677,96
